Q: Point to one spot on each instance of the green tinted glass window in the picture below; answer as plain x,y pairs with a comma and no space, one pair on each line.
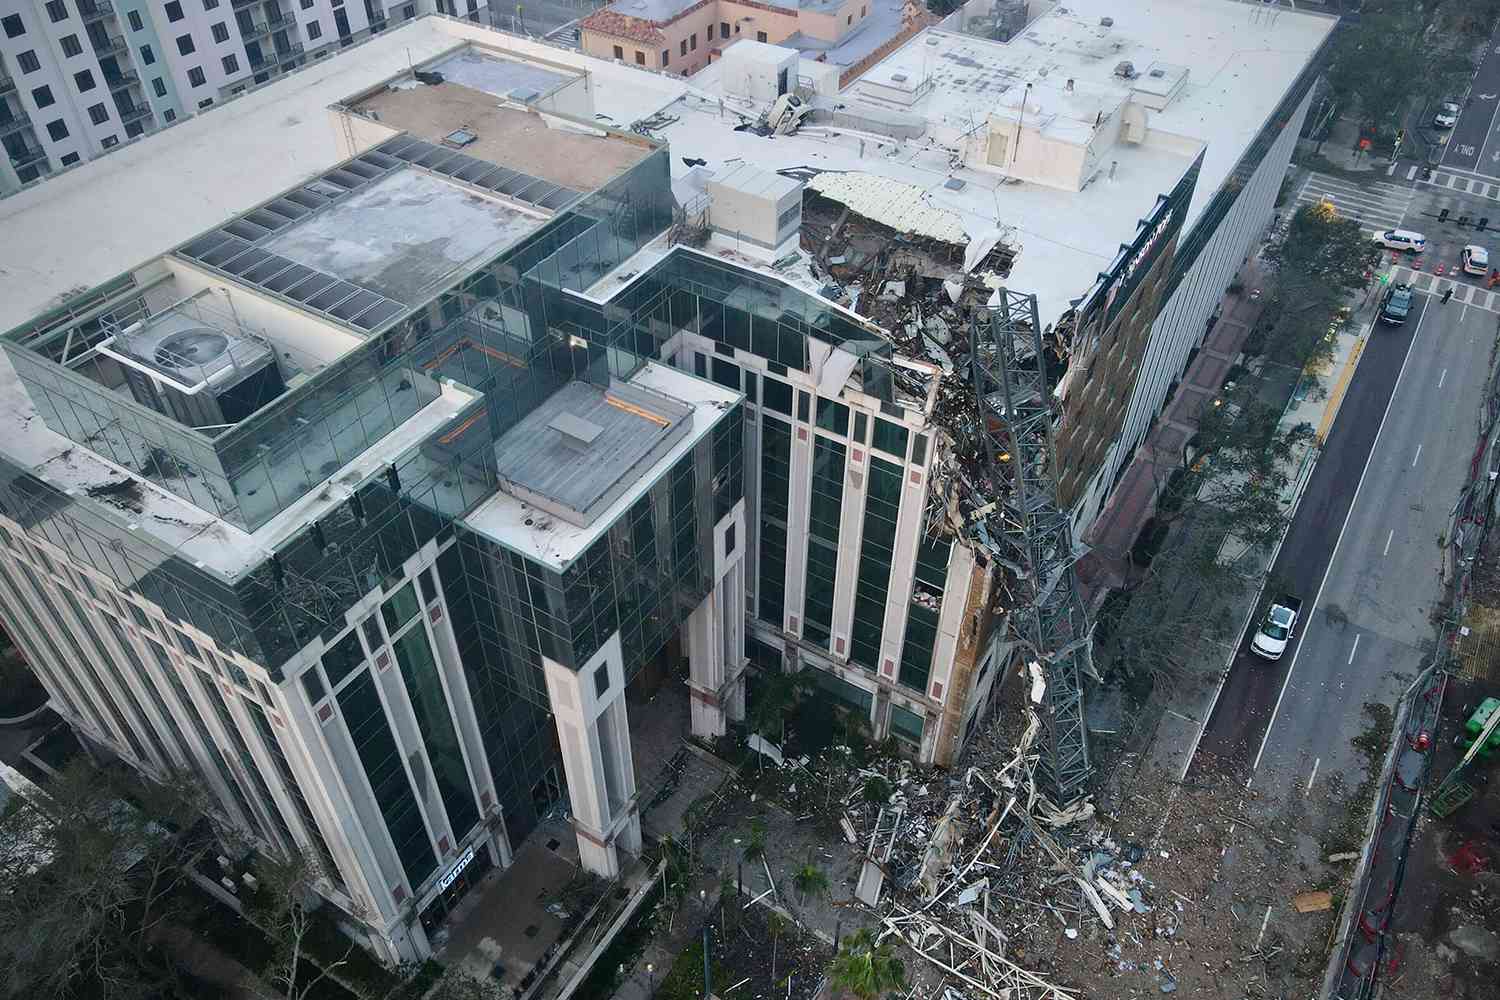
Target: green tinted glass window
833,416
399,608
890,438
342,657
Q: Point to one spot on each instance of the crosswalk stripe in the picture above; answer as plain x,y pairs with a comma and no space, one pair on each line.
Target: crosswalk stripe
1373,201
1379,204
1463,292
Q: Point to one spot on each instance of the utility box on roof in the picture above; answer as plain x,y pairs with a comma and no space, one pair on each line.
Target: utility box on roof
754,209
758,71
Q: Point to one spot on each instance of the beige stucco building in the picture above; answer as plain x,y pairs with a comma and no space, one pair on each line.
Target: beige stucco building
681,36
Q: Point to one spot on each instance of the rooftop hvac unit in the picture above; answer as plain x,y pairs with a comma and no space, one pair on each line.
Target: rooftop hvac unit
198,375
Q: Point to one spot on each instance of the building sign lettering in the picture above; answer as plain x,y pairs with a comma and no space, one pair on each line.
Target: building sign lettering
457,869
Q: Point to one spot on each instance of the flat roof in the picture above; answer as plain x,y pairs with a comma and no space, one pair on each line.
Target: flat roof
523,139
585,443
1239,60
532,531
501,77
93,223
403,233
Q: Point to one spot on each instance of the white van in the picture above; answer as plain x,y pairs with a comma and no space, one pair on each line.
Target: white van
1402,239
1476,260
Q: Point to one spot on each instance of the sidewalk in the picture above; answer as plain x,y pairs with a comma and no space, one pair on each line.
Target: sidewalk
1134,499
1314,401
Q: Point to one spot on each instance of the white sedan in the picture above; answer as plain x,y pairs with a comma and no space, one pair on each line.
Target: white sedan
1447,115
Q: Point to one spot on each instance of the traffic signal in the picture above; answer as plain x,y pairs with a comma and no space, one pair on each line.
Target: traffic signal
1463,220
1443,215
1484,221
1400,138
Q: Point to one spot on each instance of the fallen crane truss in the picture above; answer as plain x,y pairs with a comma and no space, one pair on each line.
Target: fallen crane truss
1008,370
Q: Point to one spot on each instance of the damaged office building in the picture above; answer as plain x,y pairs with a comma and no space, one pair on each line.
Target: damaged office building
400,495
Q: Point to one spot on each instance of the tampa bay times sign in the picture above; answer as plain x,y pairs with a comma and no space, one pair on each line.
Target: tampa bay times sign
1153,235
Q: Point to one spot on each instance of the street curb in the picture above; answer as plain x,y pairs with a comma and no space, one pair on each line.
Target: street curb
1337,955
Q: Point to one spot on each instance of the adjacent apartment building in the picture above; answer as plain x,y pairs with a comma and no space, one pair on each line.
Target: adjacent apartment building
79,77
382,482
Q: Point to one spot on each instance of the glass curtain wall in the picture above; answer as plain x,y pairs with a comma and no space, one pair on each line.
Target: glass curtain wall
423,685
370,730
823,538
922,617
877,550
775,486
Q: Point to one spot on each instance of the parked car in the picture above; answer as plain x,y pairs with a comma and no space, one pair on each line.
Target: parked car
1402,239
1447,115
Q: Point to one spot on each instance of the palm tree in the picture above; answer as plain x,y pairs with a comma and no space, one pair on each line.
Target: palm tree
810,880
778,695
755,843
775,924
865,968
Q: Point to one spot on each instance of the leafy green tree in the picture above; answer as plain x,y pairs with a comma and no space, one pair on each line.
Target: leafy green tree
1375,62
1320,260
867,969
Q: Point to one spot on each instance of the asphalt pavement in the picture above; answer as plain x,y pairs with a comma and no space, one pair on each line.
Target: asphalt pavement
1362,552
1372,629
1473,144
1243,711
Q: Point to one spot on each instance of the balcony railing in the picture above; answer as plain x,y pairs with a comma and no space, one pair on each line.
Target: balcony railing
124,78
135,114
242,4
288,51
256,29
94,11
6,83
110,45
14,125
27,157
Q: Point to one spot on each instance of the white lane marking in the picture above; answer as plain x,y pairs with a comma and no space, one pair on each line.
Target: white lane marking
1417,456
1352,650
1263,923
1388,542
1390,169
1465,314
1442,378
1312,776
1412,173
1338,542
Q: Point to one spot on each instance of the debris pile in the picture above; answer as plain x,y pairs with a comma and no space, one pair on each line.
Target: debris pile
975,872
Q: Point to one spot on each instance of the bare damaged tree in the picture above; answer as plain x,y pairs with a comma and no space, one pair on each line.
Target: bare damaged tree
287,900
88,874
455,984
1236,477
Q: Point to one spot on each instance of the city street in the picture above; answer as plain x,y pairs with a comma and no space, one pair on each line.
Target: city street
1241,716
1362,551
1472,143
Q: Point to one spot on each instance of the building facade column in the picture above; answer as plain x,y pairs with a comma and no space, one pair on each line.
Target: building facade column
588,706
715,634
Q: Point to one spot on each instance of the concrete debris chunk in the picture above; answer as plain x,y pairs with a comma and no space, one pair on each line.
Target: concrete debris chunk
1312,902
